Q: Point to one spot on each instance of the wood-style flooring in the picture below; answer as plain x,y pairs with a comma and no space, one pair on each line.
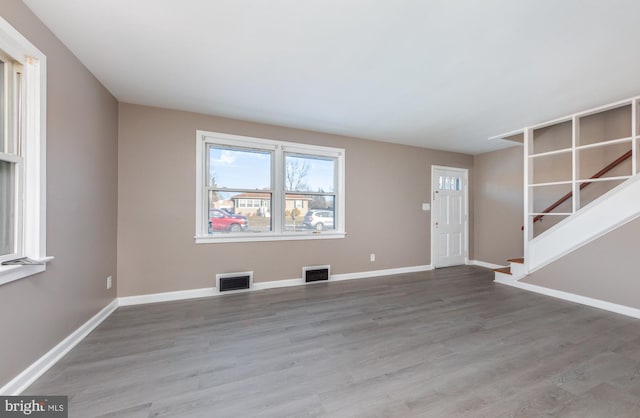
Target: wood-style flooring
444,343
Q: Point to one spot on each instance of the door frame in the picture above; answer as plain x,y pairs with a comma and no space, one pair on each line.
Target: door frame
465,187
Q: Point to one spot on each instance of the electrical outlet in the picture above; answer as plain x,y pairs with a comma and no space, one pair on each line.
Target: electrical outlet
108,282
372,257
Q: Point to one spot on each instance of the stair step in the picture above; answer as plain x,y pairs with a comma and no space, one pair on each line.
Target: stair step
516,260
503,270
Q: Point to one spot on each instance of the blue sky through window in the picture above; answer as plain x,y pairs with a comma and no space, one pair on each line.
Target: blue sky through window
251,169
240,169
319,175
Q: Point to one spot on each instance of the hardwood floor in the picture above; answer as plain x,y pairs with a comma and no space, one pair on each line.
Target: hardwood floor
437,344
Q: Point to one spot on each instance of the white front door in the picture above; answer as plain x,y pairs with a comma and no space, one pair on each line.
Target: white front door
449,216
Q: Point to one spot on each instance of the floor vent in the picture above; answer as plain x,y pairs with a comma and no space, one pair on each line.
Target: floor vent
234,281
315,273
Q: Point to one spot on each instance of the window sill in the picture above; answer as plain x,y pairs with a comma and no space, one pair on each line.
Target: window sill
258,237
9,274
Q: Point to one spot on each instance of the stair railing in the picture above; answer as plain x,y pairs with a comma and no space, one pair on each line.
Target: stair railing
599,174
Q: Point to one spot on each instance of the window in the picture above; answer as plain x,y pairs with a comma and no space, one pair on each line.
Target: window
449,183
310,180
267,190
234,175
10,160
22,141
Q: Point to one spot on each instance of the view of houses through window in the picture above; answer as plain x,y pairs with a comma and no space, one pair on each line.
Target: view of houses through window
235,174
242,190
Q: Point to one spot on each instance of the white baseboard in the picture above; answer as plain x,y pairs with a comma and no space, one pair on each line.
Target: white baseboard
572,297
484,264
44,363
277,283
378,273
167,296
212,291
340,277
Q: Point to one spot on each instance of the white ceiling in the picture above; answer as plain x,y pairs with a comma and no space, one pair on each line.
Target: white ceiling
443,74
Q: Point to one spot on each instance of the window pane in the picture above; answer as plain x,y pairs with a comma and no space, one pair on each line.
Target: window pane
309,174
309,212
233,168
7,207
239,212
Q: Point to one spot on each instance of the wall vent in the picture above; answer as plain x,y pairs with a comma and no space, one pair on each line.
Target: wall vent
316,273
226,282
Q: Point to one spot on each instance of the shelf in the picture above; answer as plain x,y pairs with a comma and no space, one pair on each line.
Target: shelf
553,183
517,136
585,113
555,152
553,122
605,108
550,214
588,146
605,143
559,183
601,179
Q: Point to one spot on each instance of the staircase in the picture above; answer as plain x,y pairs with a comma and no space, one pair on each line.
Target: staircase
610,211
513,272
566,148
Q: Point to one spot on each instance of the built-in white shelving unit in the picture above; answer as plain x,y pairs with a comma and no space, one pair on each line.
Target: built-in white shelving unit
561,156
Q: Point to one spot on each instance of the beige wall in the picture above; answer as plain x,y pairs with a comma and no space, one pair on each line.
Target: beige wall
38,312
498,205
156,209
604,269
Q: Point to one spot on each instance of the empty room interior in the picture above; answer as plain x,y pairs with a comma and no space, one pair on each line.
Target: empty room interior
341,209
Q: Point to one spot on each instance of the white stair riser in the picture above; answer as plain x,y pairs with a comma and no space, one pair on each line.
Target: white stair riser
518,269
501,277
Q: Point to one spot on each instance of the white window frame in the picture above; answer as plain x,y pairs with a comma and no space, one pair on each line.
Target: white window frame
31,225
278,148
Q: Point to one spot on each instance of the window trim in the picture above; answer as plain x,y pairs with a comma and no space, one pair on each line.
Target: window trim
33,127
279,149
